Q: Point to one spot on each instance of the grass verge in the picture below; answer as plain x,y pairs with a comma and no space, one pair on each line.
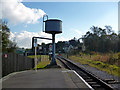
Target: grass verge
44,61
111,69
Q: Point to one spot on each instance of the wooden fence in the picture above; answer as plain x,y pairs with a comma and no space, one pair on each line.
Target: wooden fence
12,62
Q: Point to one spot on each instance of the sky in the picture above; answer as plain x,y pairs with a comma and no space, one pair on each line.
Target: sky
25,18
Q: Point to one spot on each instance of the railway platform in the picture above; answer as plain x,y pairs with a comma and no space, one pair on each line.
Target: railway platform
45,78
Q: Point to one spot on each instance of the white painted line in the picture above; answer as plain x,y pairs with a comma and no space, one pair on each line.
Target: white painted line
79,77
83,80
68,71
6,77
11,74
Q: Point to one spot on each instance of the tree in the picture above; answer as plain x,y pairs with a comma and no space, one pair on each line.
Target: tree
12,46
0,42
59,46
109,30
5,36
7,45
101,40
119,42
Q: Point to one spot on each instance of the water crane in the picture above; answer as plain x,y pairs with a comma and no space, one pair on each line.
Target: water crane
52,26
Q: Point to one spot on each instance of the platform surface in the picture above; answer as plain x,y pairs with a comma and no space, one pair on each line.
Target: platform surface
44,78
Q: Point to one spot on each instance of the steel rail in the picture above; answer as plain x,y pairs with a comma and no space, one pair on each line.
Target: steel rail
93,80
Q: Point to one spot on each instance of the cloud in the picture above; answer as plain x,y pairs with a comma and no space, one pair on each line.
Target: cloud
16,12
24,38
78,31
61,38
78,34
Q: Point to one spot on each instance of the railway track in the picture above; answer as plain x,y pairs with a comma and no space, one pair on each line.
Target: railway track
95,82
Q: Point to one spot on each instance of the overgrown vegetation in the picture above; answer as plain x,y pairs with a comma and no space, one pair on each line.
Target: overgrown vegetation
105,62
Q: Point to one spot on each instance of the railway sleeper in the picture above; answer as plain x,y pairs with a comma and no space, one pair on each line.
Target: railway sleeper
92,83
89,80
95,85
86,77
113,82
81,72
83,75
99,88
107,80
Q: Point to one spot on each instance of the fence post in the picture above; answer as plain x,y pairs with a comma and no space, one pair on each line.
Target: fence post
15,69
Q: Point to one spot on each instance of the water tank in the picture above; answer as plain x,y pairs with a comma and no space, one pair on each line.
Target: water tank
53,26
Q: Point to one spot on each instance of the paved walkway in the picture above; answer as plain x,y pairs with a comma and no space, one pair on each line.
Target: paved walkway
44,78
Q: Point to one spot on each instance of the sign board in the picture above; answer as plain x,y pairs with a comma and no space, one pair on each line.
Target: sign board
5,55
50,47
40,48
83,47
35,42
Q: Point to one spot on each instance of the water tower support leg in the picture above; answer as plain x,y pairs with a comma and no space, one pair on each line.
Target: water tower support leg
53,61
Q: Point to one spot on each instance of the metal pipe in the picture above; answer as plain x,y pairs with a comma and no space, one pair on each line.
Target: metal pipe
44,17
44,20
32,43
39,38
43,38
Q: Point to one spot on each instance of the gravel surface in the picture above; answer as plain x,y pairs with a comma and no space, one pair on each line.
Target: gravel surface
101,74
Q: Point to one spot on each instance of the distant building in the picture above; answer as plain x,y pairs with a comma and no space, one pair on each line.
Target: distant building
20,51
73,42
